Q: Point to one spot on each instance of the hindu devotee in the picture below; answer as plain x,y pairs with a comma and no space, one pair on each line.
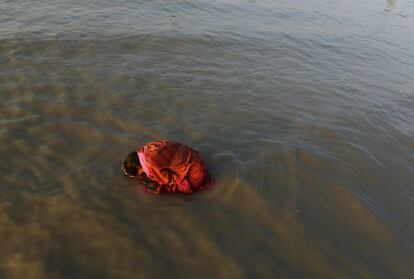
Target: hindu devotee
167,166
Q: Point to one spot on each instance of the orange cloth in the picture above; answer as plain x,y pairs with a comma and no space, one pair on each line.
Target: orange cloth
174,166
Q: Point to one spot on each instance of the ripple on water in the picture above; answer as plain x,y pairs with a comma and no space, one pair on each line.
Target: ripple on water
303,113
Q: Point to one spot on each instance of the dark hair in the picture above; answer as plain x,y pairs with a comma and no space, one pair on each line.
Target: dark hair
132,163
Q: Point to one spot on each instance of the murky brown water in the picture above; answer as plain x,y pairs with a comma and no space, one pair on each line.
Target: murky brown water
304,112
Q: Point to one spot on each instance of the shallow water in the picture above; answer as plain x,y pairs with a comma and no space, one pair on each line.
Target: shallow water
303,110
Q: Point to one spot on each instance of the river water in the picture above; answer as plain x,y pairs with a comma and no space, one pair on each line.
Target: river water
303,110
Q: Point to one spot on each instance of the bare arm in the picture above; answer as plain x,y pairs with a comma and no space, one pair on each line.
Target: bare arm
150,184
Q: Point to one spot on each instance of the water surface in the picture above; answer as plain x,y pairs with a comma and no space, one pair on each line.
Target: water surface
303,110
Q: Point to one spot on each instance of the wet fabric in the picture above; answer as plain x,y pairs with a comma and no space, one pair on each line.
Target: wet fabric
174,166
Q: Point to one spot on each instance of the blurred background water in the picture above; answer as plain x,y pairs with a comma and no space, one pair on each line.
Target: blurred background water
304,111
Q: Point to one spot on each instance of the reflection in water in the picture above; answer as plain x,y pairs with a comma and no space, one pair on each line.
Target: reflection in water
391,5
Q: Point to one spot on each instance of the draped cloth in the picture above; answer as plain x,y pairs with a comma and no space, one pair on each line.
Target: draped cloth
174,166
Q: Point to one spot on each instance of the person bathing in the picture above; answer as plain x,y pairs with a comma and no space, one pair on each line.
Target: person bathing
166,166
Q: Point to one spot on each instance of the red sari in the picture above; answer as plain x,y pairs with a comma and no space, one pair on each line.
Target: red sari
174,166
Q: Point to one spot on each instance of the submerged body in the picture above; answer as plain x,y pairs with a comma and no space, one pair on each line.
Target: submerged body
174,167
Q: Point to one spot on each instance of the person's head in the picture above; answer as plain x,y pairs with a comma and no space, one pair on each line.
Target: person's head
132,167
